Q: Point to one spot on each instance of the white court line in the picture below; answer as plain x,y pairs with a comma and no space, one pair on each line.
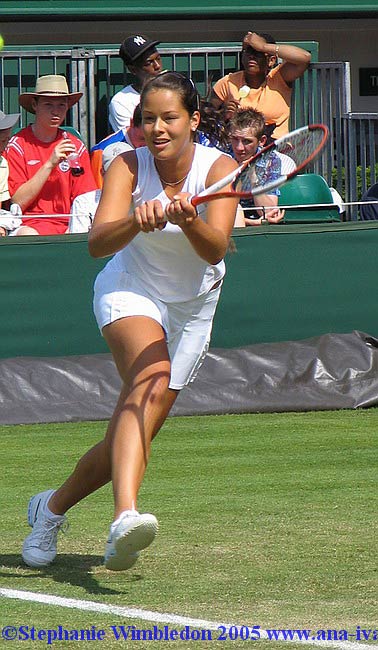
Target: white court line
157,617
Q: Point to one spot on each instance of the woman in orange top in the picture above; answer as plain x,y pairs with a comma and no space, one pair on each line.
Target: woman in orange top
262,84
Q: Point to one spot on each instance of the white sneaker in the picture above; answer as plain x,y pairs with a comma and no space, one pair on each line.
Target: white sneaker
39,548
129,534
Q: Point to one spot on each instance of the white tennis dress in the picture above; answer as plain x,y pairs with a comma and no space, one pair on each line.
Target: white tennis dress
159,275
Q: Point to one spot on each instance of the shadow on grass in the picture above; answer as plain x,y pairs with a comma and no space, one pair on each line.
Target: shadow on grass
71,569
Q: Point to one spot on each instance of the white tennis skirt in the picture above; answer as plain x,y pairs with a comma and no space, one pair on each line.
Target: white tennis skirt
187,325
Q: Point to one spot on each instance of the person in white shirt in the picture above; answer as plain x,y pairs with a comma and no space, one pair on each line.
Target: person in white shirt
154,303
84,207
139,54
7,122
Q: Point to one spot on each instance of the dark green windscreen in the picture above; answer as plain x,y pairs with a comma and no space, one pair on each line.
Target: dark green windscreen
283,283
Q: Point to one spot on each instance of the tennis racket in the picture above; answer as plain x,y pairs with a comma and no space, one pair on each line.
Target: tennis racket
272,166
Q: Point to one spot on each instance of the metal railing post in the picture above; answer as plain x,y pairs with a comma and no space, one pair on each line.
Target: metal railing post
83,81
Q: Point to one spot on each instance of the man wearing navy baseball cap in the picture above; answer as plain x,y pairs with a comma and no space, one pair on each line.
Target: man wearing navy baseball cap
139,54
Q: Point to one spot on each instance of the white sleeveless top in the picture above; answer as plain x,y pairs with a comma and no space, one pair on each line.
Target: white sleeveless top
164,261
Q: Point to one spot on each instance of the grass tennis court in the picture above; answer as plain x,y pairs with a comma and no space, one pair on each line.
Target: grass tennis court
265,519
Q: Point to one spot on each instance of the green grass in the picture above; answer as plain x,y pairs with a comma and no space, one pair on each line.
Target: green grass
265,519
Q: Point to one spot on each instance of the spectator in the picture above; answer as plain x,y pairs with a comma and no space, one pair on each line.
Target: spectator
41,179
369,211
9,220
246,132
84,206
7,122
262,84
132,136
139,54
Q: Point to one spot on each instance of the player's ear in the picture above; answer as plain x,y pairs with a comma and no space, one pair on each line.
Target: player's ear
262,141
272,61
195,120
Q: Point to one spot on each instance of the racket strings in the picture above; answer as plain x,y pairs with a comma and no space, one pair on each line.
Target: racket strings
268,166
271,166
301,146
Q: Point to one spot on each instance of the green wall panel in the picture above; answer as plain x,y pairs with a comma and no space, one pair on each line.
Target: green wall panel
293,282
283,283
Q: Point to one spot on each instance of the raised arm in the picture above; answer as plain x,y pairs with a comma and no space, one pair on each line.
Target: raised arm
295,60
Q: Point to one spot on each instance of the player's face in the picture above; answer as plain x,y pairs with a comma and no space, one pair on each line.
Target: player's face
244,144
5,134
51,111
168,127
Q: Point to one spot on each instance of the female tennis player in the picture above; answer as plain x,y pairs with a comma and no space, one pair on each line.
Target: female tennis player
154,302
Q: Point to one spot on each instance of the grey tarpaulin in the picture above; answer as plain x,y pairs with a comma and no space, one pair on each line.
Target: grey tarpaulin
333,371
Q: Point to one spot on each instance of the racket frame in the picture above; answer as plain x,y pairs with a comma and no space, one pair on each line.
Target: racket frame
213,191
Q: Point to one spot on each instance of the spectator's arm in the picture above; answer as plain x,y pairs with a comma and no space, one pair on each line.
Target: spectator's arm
295,60
215,100
28,191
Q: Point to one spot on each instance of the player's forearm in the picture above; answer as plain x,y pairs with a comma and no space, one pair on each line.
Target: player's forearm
105,239
209,243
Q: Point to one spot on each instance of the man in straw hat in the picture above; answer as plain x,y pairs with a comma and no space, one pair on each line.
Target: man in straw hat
42,180
139,54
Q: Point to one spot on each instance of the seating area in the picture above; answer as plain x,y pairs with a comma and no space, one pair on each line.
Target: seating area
308,189
99,72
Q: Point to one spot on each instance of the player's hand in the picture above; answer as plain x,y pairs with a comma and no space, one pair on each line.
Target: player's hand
180,211
150,216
